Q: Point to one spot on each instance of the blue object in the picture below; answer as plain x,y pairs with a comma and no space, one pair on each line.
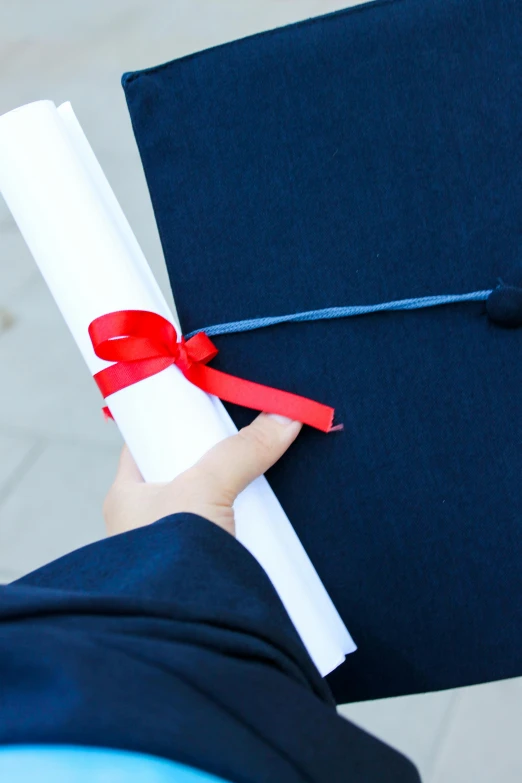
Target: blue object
328,313
61,764
372,155
504,304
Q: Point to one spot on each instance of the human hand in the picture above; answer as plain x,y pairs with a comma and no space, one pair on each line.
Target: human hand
208,488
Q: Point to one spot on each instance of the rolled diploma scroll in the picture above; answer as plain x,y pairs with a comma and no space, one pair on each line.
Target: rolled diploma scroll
92,263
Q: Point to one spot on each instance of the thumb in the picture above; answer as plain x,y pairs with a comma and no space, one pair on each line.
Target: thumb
238,460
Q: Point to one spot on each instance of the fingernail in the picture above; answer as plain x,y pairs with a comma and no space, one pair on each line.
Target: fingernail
281,419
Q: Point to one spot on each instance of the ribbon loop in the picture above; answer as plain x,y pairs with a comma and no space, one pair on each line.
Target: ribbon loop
131,335
142,344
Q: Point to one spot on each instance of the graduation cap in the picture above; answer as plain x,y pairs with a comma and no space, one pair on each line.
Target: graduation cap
366,157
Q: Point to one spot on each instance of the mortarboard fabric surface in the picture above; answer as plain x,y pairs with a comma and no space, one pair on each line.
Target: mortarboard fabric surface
366,156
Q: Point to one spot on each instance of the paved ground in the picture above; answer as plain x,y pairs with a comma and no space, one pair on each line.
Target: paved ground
57,455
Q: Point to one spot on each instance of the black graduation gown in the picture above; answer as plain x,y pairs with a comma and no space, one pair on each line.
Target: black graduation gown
170,640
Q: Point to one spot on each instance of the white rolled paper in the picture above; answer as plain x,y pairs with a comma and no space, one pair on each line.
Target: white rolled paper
92,263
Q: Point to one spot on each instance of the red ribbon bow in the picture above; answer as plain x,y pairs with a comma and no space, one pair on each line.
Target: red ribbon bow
142,344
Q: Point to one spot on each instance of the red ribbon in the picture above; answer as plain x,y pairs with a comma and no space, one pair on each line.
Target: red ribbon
142,344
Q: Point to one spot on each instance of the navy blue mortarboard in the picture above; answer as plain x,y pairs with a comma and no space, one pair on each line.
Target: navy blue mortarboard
365,157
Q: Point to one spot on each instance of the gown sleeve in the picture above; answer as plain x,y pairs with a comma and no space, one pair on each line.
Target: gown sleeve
170,640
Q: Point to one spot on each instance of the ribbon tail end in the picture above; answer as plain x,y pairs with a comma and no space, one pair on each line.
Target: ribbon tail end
334,427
